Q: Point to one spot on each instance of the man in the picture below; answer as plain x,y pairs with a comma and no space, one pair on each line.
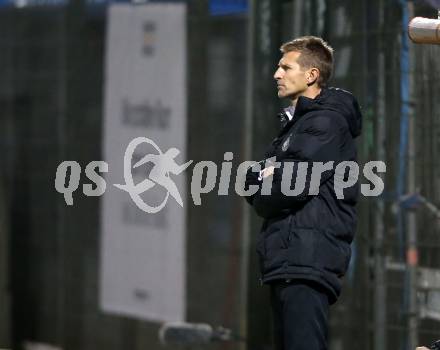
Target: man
433,346
304,244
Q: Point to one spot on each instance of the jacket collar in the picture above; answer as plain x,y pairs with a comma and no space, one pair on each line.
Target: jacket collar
303,105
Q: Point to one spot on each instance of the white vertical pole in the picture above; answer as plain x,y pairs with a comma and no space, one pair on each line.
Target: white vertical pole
412,249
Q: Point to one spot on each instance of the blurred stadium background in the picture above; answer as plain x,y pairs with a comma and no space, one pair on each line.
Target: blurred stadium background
57,60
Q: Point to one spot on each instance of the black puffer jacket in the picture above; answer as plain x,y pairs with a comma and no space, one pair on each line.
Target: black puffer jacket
308,236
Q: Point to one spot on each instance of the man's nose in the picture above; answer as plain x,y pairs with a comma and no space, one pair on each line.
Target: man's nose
277,74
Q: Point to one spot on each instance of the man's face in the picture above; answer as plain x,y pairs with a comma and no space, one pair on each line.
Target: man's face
291,78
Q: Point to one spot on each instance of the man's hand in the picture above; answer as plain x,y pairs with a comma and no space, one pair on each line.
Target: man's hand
422,348
267,171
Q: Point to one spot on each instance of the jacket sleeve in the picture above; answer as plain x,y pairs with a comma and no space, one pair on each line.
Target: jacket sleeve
252,178
319,140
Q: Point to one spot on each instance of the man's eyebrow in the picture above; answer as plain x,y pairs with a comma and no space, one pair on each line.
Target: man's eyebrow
283,64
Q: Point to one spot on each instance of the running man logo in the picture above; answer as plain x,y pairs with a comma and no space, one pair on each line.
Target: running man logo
69,173
164,164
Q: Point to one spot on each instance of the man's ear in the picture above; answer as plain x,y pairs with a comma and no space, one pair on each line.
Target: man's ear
313,76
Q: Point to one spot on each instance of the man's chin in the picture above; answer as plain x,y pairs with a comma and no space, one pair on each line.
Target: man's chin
281,94
288,95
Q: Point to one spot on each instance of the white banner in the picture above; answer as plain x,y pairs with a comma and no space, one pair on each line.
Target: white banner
143,254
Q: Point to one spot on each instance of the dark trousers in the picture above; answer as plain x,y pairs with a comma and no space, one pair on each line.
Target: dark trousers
300,315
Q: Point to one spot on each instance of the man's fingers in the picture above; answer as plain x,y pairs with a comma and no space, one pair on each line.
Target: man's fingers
268,171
